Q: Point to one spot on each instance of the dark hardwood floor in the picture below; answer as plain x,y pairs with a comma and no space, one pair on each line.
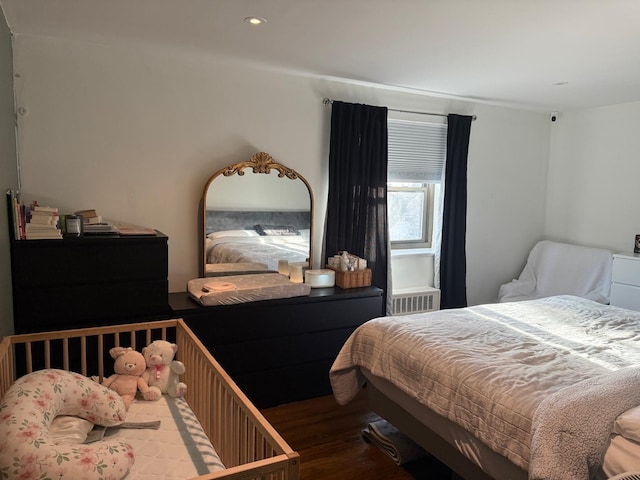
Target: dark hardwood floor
329,440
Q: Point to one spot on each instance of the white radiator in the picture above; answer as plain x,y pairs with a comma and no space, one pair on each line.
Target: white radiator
423,301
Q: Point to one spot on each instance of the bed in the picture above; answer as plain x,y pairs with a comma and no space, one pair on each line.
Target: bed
535,389
248,246
257,238
221,429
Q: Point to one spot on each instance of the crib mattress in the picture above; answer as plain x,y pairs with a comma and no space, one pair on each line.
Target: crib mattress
177,450
244,288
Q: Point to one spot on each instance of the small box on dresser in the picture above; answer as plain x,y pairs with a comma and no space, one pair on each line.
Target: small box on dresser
625,281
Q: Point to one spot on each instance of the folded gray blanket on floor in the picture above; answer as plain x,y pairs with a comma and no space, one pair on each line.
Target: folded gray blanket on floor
571,428
393,442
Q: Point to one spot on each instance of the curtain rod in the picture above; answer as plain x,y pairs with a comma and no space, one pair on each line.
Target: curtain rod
328,101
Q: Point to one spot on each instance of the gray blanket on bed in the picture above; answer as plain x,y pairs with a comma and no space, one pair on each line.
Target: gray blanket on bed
563,446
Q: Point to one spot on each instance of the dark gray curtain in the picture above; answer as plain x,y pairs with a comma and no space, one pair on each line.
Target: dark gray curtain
357,201
453,259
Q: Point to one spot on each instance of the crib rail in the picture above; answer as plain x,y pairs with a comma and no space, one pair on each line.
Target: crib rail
247,444
242,433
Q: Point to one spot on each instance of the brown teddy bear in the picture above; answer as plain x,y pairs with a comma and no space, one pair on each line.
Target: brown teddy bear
129,367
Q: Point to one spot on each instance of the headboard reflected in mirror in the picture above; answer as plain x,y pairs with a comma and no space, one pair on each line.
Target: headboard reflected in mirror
254,214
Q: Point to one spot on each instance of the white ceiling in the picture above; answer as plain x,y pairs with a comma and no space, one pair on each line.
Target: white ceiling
511,52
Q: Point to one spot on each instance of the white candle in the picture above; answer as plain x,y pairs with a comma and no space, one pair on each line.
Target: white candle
296,274
283,267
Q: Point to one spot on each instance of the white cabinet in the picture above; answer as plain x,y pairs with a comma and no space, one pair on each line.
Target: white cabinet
625,281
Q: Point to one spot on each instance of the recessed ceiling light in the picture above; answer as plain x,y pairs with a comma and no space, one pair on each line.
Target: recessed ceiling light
255,20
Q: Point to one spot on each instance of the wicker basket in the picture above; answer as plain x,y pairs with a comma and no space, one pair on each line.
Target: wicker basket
357,278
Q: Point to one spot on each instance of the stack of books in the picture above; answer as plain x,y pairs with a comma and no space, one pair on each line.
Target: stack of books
89,216
93,224
43,223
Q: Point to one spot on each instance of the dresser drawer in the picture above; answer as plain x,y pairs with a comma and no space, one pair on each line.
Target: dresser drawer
92,261
58,306
625,296
626,270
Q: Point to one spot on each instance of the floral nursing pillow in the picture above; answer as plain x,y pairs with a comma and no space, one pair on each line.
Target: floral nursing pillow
27,449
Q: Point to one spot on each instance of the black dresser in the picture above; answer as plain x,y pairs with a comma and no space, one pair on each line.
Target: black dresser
88,281
280,351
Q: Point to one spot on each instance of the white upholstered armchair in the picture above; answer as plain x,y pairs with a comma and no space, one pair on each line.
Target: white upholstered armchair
562,269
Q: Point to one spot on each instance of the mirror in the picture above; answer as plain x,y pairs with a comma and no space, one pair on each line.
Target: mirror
255,214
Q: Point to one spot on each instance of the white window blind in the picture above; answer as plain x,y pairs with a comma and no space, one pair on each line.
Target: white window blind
416,150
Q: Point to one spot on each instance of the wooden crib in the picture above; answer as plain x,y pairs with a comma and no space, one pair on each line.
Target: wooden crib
249,447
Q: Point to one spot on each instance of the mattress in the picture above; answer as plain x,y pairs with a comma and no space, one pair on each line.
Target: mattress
178,449
244,288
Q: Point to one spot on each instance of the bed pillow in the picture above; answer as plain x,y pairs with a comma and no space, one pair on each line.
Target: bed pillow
276,230
27,449
305,233
232,233
628,424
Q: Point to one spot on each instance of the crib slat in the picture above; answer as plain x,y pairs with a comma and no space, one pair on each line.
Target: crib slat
65,353
29,354
100,358
83,354
47,354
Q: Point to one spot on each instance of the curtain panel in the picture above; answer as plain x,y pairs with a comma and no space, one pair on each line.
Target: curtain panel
453,259
357,198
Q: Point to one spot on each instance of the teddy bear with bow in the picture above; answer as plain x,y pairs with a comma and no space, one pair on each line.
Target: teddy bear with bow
127,380
162,372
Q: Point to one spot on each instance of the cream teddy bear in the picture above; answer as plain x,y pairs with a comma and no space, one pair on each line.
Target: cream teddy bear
162,370
129,367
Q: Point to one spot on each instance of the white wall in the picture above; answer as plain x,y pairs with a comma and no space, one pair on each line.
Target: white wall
507,174
268,192
136,133
507,171
8,173
594,175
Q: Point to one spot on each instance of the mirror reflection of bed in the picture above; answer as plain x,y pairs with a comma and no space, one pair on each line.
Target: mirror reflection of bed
255,214
257,240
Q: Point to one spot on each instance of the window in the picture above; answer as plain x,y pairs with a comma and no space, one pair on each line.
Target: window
416,164
410,212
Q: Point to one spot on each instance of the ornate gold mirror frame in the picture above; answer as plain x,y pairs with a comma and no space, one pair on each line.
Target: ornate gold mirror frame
261,164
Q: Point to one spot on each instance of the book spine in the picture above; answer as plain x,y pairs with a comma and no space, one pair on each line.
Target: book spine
23,221
11,213
18,219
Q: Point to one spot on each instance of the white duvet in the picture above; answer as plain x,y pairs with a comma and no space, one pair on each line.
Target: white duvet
489,367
